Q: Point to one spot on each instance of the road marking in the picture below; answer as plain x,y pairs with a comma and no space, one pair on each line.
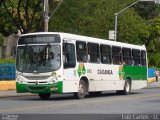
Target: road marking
78,102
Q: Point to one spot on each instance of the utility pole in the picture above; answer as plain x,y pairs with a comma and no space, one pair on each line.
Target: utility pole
116,18
46,17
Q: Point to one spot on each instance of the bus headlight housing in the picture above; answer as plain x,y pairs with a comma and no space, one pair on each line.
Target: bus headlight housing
19,73
21,81
52,82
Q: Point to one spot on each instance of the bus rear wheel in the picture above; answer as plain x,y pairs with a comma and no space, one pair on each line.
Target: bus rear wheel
127,88
44,96
81,90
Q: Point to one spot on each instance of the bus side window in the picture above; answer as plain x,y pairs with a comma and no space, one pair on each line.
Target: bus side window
116,55
105,54
136,57
81,49
69,55
126,56
93,53
143,58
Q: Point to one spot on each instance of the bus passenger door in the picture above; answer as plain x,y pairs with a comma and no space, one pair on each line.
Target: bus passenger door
69,64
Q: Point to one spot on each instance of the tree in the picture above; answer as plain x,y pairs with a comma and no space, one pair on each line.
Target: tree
1,39
6,26
23,15
26,15
154,43
147,10
132,28
137,25
96,18
1,2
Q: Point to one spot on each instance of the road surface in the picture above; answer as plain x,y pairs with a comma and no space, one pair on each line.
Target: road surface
139,101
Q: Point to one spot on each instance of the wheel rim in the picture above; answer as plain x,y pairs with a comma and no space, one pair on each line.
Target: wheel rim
127,87
81,89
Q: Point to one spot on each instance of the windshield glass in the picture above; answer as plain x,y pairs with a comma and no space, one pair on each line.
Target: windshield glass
38,58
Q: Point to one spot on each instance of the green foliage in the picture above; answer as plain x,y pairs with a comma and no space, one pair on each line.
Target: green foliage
89,18
7,61
7,27
139,24
156,27
96,17
147,10
154,43
154,60
23,15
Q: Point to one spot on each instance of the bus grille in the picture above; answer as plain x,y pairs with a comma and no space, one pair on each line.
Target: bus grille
36,77
44,82
37,88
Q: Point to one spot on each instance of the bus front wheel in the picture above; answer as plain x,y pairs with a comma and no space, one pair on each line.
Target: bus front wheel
81,90
44,96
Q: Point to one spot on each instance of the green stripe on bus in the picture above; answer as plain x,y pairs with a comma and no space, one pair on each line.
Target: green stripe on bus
44,88
134,72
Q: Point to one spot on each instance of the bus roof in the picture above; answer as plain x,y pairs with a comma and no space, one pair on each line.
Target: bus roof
69,36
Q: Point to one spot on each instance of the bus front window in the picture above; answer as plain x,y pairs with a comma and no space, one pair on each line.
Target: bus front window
38,58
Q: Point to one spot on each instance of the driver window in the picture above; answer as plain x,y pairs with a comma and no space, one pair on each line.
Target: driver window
69,55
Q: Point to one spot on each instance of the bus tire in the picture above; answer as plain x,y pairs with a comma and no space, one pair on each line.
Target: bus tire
127,87
44,96
81,90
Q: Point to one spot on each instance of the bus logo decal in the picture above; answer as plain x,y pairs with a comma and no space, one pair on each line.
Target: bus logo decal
81,69
121,72
36,82
107,72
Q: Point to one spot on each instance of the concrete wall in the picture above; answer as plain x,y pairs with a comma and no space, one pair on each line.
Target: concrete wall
8,48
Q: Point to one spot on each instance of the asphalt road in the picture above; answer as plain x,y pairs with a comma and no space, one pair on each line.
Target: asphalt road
144,101
142,104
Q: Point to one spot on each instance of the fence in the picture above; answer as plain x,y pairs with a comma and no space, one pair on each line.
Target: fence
7,72
151,72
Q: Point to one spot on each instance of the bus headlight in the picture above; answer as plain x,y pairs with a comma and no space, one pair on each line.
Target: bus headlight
21,81
52,82
54,74
19,73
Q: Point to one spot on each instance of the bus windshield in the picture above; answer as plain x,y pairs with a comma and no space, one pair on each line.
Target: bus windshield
38,58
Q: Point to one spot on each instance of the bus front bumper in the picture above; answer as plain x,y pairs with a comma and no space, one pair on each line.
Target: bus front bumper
40,88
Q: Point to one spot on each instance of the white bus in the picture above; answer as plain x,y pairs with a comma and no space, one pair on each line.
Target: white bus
54,62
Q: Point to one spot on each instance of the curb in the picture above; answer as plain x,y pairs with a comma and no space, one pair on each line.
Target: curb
24,95
8,85
153,79
151,87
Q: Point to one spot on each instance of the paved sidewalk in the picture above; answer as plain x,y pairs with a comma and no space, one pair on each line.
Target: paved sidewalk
12,93
154,85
